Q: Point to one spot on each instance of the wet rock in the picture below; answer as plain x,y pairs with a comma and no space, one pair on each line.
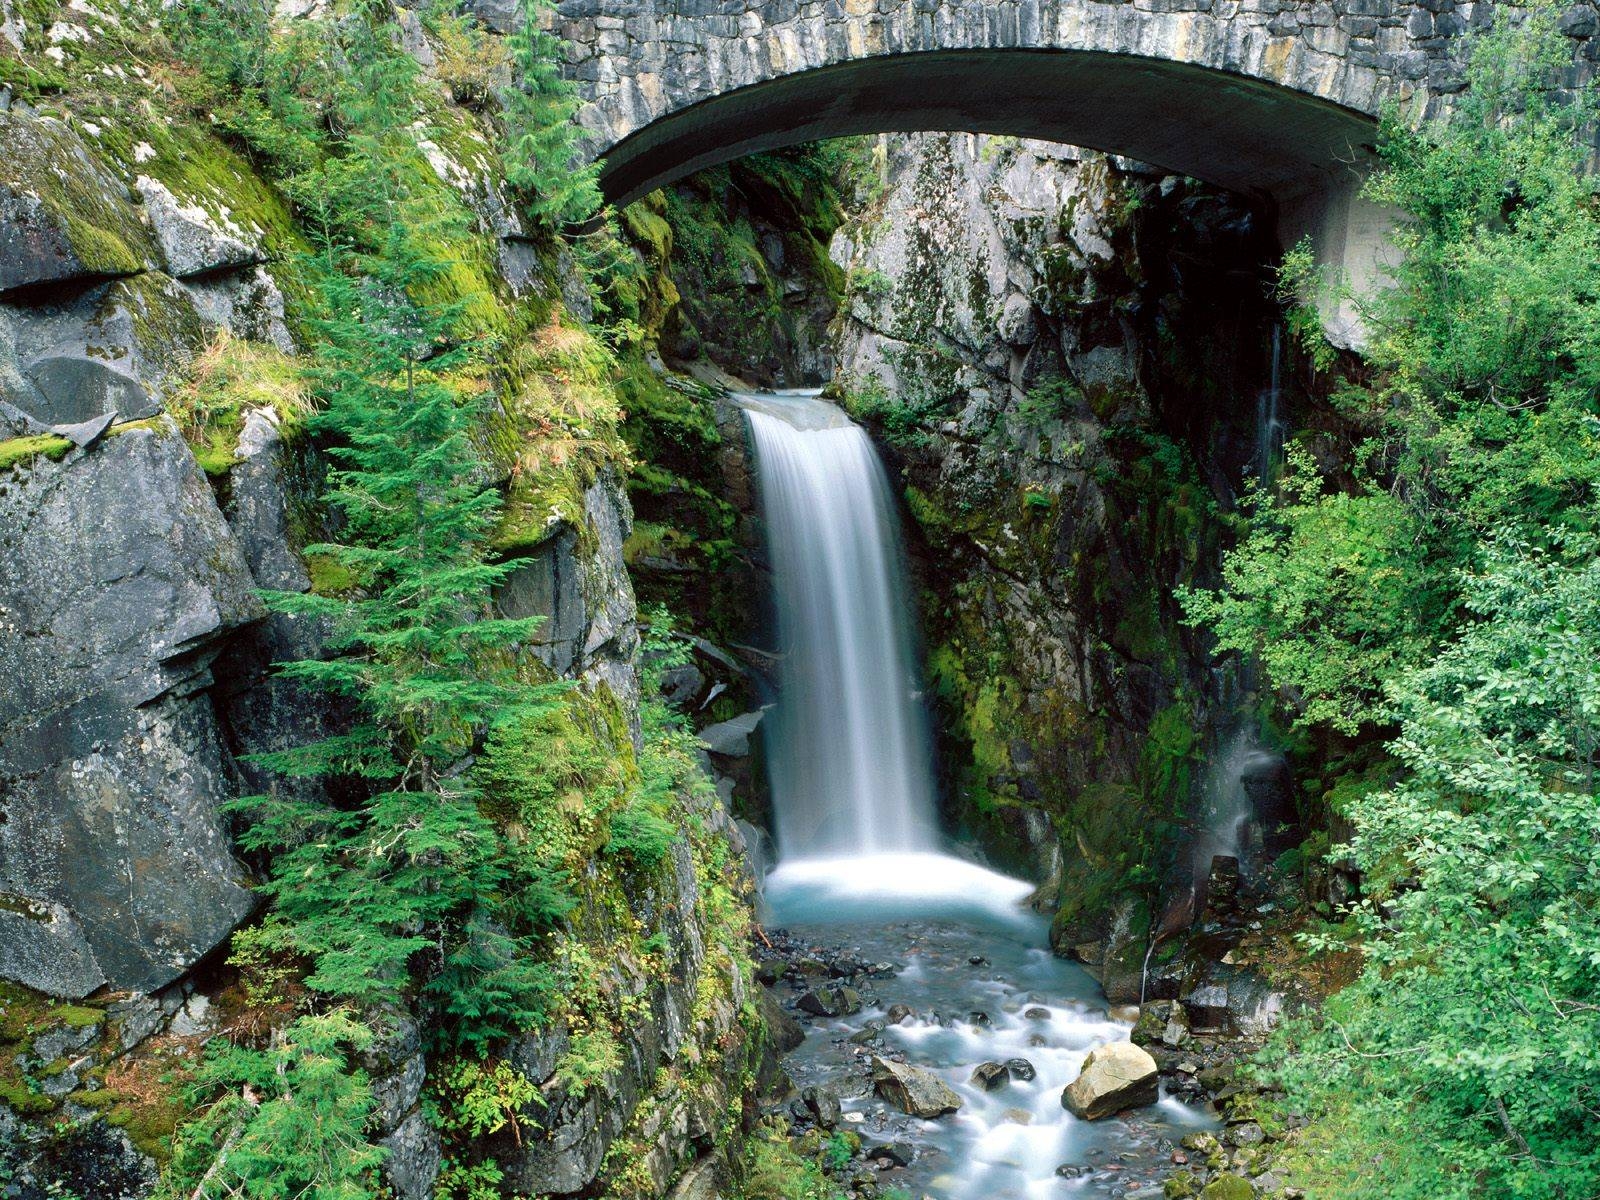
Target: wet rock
913,1090
1207,1007
991,1076
1073,1170
978,960
1021,1068
1246,1133
831,1002
822,1106
898,1013
1153,1018
980,1019
867,1034
1114,1077
784,1033
1036,1013
896,1154
1222,886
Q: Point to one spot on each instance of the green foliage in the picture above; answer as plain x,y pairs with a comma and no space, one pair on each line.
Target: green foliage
1473,1029
414,646
772,1170
542,138
392,881
1332,592
290,1122
1482,405
1049,401
224,382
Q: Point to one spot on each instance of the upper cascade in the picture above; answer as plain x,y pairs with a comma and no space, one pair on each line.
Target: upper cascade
849,746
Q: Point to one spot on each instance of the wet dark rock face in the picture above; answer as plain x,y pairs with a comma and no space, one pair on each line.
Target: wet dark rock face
1061,355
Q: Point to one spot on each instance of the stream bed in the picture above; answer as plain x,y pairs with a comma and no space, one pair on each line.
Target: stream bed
953,942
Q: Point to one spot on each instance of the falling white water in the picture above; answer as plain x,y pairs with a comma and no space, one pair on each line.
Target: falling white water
848,745
1269,423
1229,808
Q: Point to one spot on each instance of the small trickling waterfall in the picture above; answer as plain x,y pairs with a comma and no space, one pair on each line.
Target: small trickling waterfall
848,743
1269,421
1229,806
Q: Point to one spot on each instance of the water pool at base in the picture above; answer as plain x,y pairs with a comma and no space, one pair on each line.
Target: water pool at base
931,916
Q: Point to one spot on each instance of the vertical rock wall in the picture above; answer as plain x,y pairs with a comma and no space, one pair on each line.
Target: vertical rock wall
1063,354
137,659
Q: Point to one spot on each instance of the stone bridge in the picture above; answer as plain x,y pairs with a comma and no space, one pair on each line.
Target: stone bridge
1273,98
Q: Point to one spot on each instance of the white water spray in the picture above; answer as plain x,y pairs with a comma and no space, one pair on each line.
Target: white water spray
848,745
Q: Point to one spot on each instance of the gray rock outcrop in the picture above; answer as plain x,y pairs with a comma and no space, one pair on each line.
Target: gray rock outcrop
119,582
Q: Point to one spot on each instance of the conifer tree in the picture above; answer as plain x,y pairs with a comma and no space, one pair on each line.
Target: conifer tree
542,138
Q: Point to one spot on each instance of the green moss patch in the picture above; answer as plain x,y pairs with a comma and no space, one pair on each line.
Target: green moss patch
19,452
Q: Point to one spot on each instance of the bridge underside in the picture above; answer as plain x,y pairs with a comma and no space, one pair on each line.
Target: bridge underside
1238,132
1302,154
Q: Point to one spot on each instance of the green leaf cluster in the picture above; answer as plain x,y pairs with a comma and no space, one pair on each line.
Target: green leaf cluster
1481,401
1475,1029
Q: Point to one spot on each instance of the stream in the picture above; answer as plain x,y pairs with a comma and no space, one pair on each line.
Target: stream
976,971
862,895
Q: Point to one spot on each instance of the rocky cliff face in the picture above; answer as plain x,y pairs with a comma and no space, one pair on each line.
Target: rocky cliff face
1064,355
154,474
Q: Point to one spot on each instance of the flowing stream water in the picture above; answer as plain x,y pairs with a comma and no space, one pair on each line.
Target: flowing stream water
861,868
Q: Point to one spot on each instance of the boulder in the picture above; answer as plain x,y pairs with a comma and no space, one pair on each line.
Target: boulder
192,241
118,584
1161,1022
898,1013
63,217
991,1076
822,1105
896,1154
783,1031
831,1002
913,1090
1228,1187
1114,1077
1022,1069
731,738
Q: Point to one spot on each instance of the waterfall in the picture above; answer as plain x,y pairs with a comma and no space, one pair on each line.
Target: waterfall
1269,424
848,744
1229,806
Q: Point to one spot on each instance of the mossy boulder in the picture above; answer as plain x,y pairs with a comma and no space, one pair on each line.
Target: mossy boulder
1229,1187
63,217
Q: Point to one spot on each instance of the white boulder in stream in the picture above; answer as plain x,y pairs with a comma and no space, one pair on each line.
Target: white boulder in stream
913,1090
1115,1076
